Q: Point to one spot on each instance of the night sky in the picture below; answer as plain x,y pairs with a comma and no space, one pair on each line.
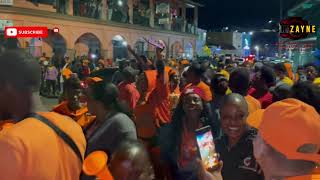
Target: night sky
240,13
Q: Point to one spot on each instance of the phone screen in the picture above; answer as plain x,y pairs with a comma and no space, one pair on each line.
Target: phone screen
206,147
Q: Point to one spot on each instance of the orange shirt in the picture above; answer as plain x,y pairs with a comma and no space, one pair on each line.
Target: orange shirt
151,76
253,104
174,98
129,94
66,72
32,150
144,122
80,116
159,101
6,124
307,177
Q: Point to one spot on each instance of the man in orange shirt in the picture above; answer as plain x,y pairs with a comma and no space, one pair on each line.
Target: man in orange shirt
127,88
71,106
288,144
239,83
193,76
31,149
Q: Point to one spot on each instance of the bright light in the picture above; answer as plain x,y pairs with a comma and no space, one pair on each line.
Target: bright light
270,21
120,3
251,33
124,43
236,31
256,48
227,28
93,56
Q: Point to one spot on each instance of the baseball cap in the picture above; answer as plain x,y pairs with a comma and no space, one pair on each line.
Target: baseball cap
292,127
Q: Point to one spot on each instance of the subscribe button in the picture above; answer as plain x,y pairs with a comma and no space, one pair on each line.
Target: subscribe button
23,32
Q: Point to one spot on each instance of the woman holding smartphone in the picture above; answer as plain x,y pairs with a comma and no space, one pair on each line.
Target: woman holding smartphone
178,143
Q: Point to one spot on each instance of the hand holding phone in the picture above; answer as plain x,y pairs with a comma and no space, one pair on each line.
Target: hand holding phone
206,148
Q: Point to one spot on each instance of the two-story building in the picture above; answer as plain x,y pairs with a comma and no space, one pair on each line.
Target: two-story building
105,27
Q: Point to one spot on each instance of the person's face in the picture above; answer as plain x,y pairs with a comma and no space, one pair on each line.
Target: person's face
311,73
101,66
257,80
92,104
233,120
221,87
192,104
300,71
120,168
73,98
123,166
189,76
174,82
278,73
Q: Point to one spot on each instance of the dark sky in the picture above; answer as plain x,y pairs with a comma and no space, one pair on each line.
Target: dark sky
241,13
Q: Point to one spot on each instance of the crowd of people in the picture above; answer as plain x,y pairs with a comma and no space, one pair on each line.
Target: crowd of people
55,70
264,119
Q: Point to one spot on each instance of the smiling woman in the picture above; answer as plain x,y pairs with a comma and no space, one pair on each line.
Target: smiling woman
178,140
235,147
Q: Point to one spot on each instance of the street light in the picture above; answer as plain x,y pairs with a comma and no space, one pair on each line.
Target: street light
270,21
120,3
257,51
251,33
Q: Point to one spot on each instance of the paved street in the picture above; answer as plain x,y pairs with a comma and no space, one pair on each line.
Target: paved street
48,103
43,103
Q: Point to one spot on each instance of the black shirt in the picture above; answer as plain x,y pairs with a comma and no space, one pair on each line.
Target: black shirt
239,162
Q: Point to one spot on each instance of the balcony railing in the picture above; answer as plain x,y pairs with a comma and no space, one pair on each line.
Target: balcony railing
118,14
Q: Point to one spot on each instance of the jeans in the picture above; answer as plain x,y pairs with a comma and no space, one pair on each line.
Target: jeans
51,85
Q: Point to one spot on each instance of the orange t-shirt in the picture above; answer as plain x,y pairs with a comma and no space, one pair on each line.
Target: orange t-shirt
6,124
80,116
144,122
32,150
253,107
253,104
307,177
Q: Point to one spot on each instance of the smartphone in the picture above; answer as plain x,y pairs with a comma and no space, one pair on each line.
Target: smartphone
206,147
155,43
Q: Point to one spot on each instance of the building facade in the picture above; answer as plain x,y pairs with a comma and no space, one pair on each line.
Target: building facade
306,50
226,42
105,27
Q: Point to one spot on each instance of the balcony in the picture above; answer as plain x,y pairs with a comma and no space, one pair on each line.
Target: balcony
136,16
140,15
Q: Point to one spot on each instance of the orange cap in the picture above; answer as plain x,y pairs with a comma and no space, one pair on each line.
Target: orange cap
96,165
292,128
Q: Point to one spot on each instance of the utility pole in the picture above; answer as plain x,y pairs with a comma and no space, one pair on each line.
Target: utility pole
281,17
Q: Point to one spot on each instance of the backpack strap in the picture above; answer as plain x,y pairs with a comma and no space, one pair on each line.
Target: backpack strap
67,139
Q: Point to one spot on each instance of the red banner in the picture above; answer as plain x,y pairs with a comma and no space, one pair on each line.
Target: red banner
22,32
